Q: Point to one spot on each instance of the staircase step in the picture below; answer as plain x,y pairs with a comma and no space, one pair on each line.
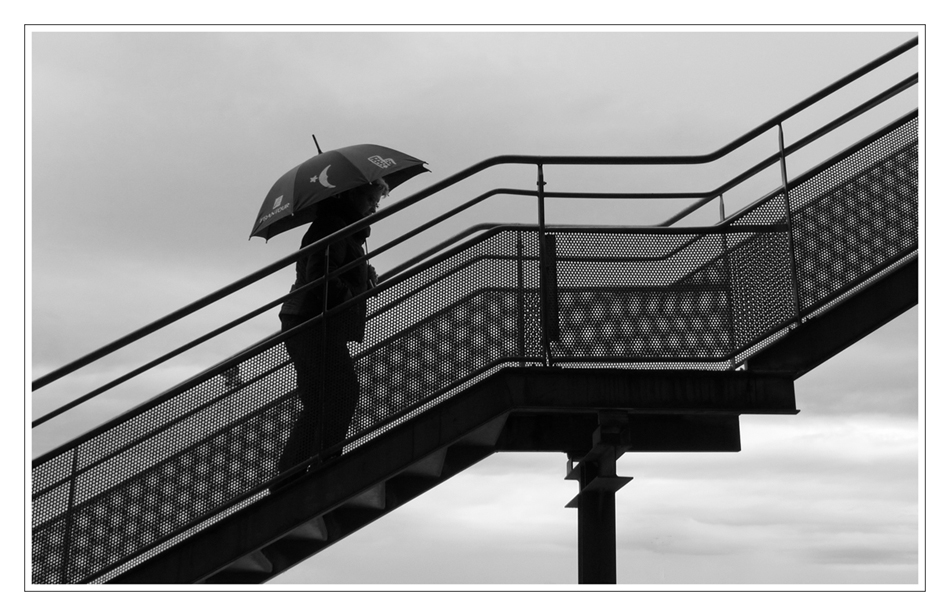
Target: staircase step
430,466
487,435
255,562
374,498
314,530
403,488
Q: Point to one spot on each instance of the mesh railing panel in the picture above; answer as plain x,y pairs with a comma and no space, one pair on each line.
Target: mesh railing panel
642,295
856,216
625,298
145,481
465,314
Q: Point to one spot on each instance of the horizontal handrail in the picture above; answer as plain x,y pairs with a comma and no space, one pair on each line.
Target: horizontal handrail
466,173
795,147
386,283
84,467
704,196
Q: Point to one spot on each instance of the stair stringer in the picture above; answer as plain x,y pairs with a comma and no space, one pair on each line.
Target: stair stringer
282,529
337,499
843,324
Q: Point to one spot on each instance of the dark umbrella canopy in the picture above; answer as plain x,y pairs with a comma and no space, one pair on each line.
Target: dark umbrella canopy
292,200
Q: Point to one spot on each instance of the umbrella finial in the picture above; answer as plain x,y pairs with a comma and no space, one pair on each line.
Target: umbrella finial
319,151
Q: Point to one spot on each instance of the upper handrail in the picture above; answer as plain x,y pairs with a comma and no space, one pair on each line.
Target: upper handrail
453,245
537,160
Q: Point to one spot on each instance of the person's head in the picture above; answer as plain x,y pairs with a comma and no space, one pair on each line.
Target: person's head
366,198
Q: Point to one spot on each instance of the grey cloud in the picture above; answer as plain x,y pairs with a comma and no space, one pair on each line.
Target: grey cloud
864,556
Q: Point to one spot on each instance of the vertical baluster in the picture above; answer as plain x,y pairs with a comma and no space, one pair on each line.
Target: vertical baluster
521,313
543,257
796,299
67,533
727,268
322,377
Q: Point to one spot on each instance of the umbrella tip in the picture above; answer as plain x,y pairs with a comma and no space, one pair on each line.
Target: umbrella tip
319,151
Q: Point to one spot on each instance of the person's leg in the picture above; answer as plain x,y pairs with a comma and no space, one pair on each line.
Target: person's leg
303,349
342,389
339,386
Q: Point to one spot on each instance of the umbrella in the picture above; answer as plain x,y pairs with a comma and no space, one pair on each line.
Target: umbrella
290,203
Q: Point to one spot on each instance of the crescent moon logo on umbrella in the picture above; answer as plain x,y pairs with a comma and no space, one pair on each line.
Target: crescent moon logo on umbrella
323,178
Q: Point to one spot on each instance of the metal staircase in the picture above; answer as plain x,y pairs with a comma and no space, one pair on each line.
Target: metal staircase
501,413
505,338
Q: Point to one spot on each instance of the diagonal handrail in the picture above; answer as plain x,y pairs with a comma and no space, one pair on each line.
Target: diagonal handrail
459,243
457,178
705,197
96,466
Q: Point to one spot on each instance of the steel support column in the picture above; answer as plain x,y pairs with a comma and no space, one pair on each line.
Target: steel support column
596,501
597,538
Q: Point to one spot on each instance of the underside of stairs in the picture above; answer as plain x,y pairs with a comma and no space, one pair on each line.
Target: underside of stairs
519,409
529,409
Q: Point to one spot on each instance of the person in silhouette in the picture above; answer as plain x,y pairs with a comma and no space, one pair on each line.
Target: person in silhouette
327,379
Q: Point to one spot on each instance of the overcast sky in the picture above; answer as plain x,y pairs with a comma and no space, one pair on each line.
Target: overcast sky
151,154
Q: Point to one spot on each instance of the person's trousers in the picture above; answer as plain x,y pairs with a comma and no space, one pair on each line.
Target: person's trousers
327,386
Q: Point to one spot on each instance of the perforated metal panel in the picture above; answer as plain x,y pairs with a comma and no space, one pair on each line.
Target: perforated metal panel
856,217
643,295
650,298
464,316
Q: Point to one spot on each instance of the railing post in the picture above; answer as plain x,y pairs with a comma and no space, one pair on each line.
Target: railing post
727,268
543,261
796,298
521,314
67,533
322,377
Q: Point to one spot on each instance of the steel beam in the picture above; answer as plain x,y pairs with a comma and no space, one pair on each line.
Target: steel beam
552,390
650,432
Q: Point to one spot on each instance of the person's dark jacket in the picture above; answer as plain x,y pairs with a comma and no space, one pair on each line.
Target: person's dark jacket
333,215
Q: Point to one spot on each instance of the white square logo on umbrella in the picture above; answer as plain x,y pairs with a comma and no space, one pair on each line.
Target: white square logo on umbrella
381,162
